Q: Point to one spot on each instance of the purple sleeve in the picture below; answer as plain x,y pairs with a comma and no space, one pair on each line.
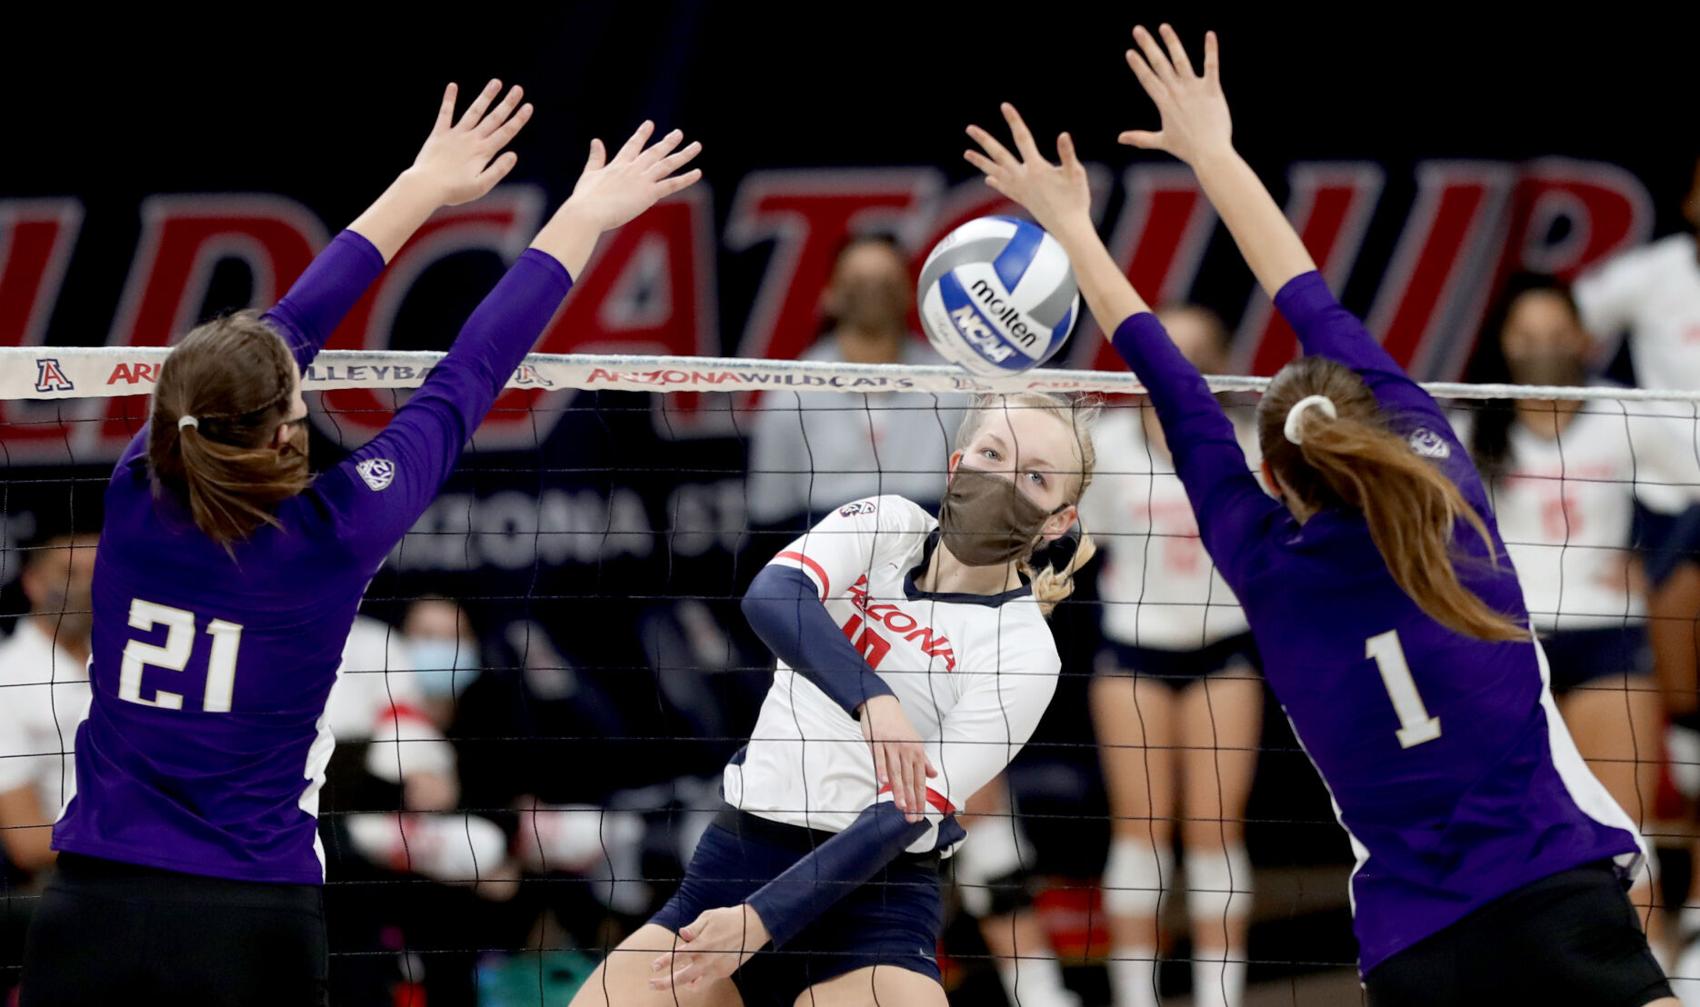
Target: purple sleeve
833,870
1233,512
315,305
1326,329
784,609
379,491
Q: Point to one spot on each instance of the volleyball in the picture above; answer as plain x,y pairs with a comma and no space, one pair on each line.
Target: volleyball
997,296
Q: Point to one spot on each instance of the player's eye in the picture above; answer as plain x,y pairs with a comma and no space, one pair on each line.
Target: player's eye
990,453
1038,479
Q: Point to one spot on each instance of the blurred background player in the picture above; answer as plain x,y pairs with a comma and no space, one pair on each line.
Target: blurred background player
1565,478
1177,703
1649,297
44,695
813,451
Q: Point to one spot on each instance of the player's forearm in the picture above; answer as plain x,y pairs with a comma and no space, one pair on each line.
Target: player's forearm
1265,238
569,237
397,214
835,868
1200,435
1108,292
317,301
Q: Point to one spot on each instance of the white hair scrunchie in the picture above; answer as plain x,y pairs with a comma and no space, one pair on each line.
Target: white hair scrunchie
184,422
1297,413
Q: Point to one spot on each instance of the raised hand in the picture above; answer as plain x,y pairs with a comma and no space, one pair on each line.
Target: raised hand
1196,123
1055,194
611,192
463,160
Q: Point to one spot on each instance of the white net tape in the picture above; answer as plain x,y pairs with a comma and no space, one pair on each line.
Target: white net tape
88,372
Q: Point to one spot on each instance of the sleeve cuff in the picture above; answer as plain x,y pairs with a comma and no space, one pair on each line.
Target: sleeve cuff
1133,329
1304,296
360,245
549,263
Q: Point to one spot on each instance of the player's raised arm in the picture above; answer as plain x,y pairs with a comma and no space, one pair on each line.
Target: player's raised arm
460,161
1208,458
1198,130
415,453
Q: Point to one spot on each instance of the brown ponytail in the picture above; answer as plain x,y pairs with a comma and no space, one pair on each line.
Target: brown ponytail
236,378
1353,460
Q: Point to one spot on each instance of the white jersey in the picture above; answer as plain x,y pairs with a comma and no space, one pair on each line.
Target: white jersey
974,674
812,451
44,696
1158,586
1653,293
1566,508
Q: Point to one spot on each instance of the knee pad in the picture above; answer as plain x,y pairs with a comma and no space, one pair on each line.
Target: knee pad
1134,878
1218,882
991,870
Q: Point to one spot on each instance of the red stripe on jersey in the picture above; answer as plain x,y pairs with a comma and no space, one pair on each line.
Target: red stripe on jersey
815,568
934,798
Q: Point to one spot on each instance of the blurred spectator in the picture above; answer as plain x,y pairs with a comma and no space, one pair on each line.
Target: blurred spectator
811,451
387,819
44,695
442,653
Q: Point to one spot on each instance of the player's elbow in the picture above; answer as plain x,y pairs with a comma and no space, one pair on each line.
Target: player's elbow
774,590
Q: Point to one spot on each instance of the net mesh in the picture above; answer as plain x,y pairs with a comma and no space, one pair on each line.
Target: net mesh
552,668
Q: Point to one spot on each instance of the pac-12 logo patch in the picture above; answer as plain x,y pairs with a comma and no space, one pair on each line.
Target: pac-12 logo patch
1429,444
50,377
377,472
859,507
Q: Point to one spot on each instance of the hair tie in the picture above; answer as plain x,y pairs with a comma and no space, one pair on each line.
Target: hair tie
184,422
1296,414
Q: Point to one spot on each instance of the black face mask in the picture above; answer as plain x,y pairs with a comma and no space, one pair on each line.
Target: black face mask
985,521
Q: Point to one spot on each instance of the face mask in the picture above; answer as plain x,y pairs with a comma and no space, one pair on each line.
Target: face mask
443,667
1547,367
985,521
872,304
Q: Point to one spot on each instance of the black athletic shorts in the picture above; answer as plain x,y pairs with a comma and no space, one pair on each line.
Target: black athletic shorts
1572,938
111,933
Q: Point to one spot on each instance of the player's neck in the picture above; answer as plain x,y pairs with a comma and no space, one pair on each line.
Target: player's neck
945,574
1545,418
76,647
871,346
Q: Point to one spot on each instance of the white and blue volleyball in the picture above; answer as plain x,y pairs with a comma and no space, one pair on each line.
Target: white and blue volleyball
997,296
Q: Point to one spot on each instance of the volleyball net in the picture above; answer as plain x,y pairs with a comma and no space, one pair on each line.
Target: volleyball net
553,669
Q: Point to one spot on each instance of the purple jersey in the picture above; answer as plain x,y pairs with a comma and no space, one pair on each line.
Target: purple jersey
1449,767
206,742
